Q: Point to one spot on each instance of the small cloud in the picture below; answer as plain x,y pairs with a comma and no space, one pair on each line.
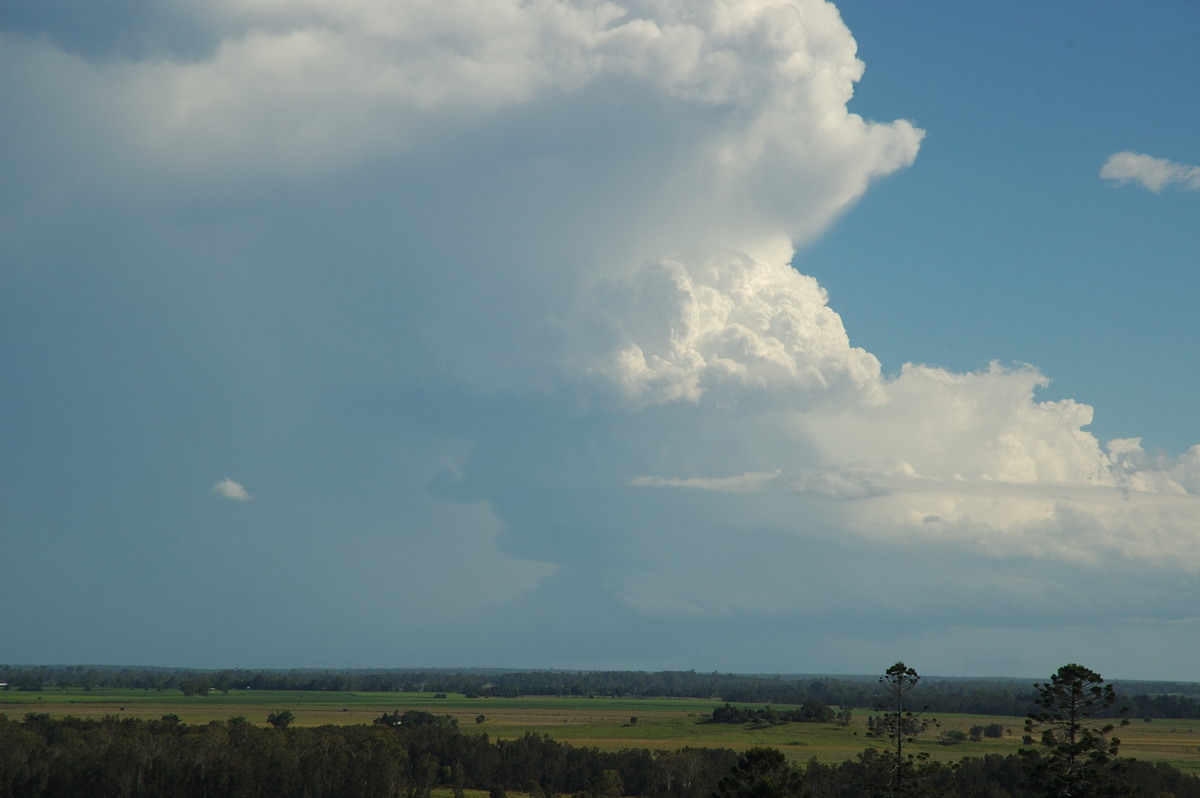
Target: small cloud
737,484
1153,173
231,490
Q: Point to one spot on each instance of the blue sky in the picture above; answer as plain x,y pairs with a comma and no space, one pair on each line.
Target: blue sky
1003,245
582,335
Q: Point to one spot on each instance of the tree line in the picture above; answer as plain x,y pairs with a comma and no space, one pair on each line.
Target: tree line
1009,697
808,712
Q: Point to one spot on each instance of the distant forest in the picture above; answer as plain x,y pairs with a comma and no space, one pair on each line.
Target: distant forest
980,696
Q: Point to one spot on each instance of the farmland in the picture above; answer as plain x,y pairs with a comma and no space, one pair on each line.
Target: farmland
606,723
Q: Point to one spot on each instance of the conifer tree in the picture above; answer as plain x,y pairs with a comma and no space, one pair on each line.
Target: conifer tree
1077,757
900,725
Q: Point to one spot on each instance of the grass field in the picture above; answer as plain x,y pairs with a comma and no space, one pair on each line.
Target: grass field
605,723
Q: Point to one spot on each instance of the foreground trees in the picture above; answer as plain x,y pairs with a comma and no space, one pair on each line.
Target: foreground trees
43,757
898,726
761,773
991,776
281,719
1077,756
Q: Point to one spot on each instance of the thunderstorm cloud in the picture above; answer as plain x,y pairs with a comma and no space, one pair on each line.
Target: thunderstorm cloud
506,291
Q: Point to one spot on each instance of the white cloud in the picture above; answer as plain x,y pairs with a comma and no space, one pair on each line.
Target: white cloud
763,152
231,490
929,457
975,426
1153,173
722,325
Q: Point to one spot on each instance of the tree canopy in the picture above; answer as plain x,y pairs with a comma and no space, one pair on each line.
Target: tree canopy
1077,754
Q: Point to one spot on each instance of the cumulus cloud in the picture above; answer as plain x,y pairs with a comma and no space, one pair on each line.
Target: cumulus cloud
231,490
1153,173
973,461
721,325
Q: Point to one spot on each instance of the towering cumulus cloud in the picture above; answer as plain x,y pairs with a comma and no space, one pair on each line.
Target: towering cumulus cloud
547,246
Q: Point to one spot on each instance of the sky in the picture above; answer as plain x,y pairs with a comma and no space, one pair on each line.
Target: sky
759,336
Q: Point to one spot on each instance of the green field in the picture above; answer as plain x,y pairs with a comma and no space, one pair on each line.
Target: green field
605,723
